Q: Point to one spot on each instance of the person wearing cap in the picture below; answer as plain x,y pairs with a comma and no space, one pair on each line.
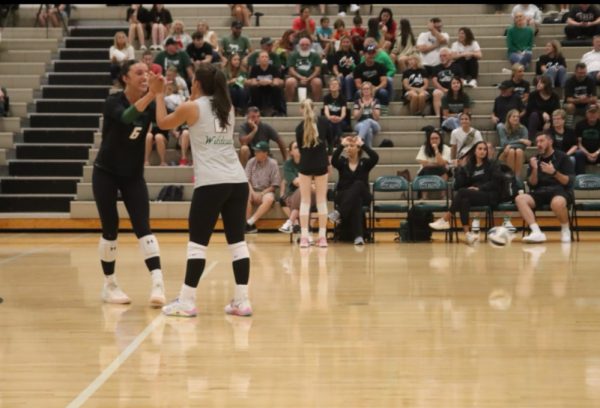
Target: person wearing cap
587,132
580,91
172,56
265,84
304,69
236,43
430,42
199,51
374,72
266,44
263,178
254,131
506,101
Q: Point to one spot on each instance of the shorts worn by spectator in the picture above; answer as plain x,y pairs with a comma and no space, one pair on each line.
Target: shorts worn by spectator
137,17
550,177
263,178
160,20
430,42
415,81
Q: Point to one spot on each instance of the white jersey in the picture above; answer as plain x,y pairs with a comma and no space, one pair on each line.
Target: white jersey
215,158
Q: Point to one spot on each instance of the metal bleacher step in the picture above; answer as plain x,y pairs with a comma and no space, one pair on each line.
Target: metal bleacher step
39,185
59,120
59,135
75,91
69,105
79,78
51,151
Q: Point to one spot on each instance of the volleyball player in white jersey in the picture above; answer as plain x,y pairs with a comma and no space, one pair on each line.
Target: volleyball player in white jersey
221,185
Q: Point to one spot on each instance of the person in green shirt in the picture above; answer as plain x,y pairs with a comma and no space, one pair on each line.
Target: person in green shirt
236,43
304,69
519,41
172,56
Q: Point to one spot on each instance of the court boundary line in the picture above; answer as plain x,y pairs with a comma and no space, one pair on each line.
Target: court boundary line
39,250
122,357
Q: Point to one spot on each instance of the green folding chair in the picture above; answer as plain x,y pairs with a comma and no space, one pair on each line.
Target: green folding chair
386,185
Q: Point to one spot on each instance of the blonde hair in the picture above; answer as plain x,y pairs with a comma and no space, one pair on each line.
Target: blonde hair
118,34
175,24
516,67
560,112
311,134
507,124
417,58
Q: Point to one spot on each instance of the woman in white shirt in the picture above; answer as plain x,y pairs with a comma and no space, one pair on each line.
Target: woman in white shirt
120,52
179,35
467,53
434,156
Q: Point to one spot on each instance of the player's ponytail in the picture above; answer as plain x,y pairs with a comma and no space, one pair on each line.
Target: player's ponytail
214,83
311,134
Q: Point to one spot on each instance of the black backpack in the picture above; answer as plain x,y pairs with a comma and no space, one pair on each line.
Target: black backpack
416,227
510,185
170,193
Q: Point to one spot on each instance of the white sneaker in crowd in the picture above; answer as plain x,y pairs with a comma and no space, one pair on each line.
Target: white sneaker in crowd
565,236
287,227
439,225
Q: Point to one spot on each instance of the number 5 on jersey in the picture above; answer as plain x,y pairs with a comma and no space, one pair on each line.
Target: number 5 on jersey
135,132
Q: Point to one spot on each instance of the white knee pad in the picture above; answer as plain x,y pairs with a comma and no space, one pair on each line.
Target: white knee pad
107,250
322,207
149,246
196,251
239,251
304,209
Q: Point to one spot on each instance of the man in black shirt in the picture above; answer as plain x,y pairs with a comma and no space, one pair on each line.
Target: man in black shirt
266,87
580,91
253,131
504,102
588,139
373,72
442,76
583,22
550,176
200,51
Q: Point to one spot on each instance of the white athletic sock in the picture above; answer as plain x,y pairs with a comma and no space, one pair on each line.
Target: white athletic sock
241,292
322,232
535,228
564,227
187,294
157,275
251,221
110,278
304,232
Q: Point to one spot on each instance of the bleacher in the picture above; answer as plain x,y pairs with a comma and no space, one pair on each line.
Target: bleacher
58,85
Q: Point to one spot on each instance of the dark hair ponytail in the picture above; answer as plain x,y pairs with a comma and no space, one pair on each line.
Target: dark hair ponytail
214,83
125,70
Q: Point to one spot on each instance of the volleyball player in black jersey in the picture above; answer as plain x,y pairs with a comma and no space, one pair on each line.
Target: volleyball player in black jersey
119,166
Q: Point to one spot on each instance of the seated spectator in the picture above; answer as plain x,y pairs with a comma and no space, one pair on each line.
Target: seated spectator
172,76
506,101
519,41
148,59
263,178
4,102
304,69
343,63
265,83
542,102
325,36
304,22
241,12
434,156
513,142
591,59
375,31
388,27
342,8
580,91
236,76
284,47
159,138
563,138
404,45
177,32
137,17
550,178
352,189
118,53
552,64
373,72
430,42
290,193
212,38
520,86
467,53
266,44
339,30
442,77
182,134
253,131
54,13
236,43
463,139
160,21
173,56
415,82
358,33
476,183
583,22
587,132
334,109
199,51
384,59
366,112
533,15
454,102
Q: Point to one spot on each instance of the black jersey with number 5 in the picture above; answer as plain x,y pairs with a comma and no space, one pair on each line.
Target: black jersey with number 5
122,148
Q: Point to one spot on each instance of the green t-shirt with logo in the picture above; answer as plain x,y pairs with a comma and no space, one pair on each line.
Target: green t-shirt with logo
304,66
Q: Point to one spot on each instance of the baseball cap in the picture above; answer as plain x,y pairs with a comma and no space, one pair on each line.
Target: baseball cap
266,40
592,107
236,24
262,146
170,41
505,84
371,48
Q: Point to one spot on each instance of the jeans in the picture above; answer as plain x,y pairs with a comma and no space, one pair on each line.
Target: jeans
347,84
383,95
523,58
451,123
581,161
558,75
367,129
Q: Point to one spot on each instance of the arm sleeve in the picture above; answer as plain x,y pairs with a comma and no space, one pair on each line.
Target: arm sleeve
336,158
373,157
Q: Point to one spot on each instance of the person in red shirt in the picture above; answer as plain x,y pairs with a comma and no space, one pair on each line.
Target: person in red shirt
358,33
304,22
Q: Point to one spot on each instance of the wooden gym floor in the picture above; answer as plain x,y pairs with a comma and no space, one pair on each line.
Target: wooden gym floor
389,325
